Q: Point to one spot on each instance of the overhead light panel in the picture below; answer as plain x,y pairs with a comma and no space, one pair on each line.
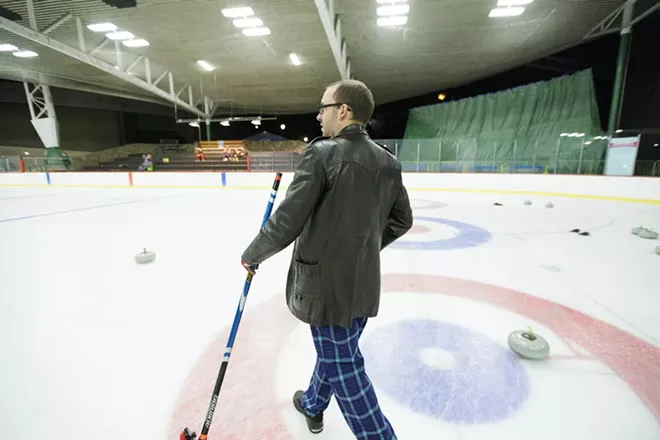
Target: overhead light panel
506,12
393,10
241,11
136,43
102,27
25,54
248,22
206,66
514,2
120,35
7,48
256,31
224,123
256,122
294,59
392,21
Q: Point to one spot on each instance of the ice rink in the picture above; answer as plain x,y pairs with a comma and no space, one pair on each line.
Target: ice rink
96,346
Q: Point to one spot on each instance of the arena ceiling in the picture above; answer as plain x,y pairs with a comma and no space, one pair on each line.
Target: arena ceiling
444,43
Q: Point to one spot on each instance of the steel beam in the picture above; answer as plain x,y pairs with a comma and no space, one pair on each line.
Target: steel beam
81,35
57,23
332,27
94,62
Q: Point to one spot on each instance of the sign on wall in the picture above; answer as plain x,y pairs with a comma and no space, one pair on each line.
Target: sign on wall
621,156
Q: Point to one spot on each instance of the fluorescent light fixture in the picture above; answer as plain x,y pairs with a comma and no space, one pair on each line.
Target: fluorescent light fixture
256,32
194,124
563,135
514,2
256,122
248,22
655,145
25,54
120,35
224,123
102,27
391,1
587,143
206,66
393,10
619,131
506,12
241,11
392,21
136,43
294,59
7,48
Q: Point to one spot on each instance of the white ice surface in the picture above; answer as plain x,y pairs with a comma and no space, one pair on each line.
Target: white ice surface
95,346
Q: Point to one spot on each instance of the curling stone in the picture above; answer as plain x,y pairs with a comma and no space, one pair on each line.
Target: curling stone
648,234
549,205
635,231
145,257
528,345
528,202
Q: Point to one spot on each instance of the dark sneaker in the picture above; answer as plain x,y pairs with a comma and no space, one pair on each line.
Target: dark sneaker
315,424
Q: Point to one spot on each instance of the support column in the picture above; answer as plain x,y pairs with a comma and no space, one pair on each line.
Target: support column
42,111
208,130
621,68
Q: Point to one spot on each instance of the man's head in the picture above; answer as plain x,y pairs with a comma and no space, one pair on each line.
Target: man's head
344,103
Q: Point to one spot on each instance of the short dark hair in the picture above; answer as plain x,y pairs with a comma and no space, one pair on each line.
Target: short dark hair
357,95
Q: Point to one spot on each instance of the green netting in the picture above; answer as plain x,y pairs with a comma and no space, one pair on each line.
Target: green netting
517,126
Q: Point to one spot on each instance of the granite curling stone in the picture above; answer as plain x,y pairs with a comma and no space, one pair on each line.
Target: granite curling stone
528,345
145,257
648,234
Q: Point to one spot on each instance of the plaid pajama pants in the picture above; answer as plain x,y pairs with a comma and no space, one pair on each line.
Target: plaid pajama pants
340,372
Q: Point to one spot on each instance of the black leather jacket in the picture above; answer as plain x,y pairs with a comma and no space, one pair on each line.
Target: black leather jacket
346,203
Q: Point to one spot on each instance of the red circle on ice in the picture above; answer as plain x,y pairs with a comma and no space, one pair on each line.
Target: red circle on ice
247,409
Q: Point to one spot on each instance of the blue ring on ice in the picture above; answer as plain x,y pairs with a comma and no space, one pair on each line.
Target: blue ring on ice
486,383
470,236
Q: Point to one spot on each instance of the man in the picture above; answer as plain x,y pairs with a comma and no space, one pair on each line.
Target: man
346,203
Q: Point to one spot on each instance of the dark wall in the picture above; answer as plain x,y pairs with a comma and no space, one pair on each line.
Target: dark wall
89,122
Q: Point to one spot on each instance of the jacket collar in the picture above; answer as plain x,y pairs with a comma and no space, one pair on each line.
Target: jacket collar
353,128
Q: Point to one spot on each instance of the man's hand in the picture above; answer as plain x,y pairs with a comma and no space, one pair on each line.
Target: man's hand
250,268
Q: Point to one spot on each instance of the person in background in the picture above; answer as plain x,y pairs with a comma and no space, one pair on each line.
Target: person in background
345,204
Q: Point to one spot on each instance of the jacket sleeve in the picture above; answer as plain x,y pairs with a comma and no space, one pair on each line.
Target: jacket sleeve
400,219
288,220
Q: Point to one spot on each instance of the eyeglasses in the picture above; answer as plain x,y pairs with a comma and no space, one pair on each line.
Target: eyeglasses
334,104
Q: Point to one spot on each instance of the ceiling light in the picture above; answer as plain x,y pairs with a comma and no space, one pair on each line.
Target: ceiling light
237,12
506,12
655,145
120,35
102,27
564,135
294,59
256,122
256,32
619,131
587,143
248,22
393,10
25,54
136,43
206,66
7,48
194,124
391,1
513,2
282,126
305,139
392,21
224,123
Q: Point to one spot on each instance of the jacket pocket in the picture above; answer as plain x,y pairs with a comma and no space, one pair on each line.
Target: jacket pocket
306,295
